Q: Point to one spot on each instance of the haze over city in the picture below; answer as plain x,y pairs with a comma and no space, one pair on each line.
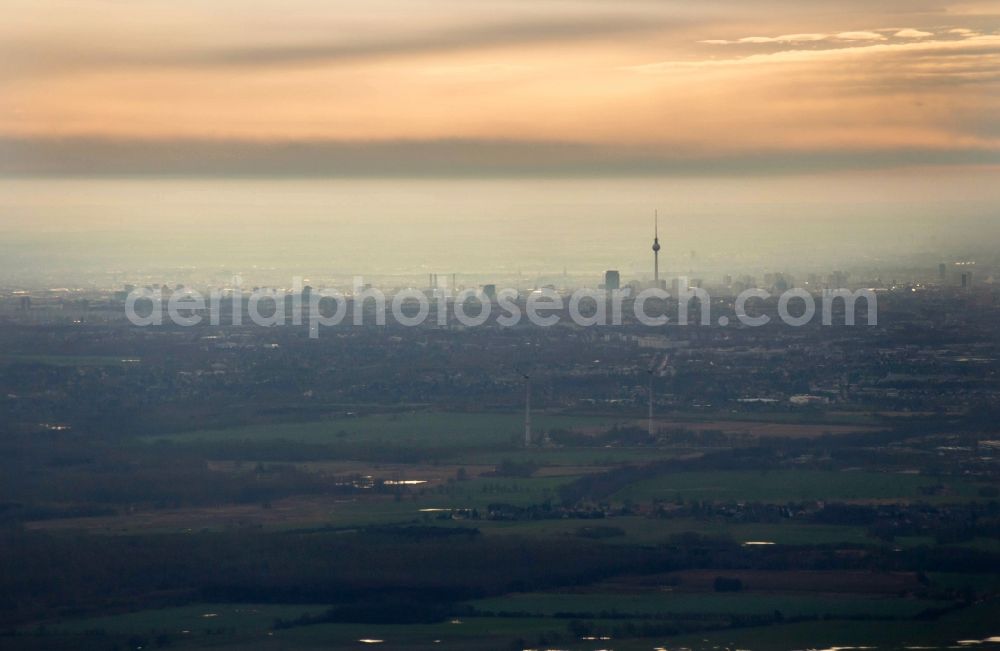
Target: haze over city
770,135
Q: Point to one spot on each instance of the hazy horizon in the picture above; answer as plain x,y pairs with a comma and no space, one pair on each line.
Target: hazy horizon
270,229
498,137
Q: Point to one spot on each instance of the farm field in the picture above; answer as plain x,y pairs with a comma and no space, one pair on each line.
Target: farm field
417,429
486,429
674,603
66,360
306,512
832,621
645,531
322,510
976,626
792,485
194,618
406,482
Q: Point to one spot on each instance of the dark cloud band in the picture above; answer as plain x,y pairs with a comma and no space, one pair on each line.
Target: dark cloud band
432,158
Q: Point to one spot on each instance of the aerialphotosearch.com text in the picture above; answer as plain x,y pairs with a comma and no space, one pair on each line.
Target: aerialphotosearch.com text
545,307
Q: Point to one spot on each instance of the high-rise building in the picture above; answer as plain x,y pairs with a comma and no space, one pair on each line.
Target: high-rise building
612,279
942,272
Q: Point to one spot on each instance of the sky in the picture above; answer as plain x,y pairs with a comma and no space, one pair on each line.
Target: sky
453,88
496,136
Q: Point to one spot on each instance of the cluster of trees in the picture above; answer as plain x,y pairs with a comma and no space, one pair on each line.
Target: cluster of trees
41,573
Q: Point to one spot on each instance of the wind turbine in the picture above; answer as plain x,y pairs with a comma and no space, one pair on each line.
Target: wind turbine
527,406
653,371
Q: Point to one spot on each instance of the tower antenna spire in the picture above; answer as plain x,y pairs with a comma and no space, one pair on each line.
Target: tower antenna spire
656,247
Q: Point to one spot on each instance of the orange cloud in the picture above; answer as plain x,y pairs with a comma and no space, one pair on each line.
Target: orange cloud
627,75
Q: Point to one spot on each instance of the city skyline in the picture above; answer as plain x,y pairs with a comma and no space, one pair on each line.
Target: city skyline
338,136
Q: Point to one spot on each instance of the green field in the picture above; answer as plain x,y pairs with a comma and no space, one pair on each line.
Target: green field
959,581
569,456
471,494
195,619
793,485
239,626
648,531
248,626
409,430
828,417
471,633
666,603
66,360
974,623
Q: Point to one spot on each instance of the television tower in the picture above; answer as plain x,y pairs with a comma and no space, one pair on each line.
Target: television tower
656,248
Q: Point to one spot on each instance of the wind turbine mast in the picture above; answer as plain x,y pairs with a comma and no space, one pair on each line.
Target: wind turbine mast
527,410
650,427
